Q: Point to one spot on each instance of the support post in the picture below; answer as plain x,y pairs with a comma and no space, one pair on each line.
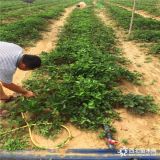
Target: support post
131,23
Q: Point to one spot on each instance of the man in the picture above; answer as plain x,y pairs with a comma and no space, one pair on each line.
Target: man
11,57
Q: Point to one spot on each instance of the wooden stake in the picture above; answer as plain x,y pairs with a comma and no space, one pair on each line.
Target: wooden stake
133,11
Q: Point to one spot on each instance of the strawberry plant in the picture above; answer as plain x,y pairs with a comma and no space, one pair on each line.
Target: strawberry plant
155,49
139,104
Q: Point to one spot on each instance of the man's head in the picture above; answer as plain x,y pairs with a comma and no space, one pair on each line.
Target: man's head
29,62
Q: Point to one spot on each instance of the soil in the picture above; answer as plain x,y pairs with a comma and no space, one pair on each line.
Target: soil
141,12
138,131
81,139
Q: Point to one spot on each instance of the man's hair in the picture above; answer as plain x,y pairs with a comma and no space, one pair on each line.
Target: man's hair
31,61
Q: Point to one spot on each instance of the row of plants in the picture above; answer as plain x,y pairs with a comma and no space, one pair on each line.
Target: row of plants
11,6
24,32
78,81
155,49
144,29
7,4
151,6
31,10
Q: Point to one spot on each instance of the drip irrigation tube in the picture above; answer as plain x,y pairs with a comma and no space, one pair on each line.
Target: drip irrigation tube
110,141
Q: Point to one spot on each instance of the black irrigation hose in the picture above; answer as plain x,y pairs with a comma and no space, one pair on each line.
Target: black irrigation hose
109,138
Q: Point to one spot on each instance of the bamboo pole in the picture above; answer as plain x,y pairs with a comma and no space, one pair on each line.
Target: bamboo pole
131,23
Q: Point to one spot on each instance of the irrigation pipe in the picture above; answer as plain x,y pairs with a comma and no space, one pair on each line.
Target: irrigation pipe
31,137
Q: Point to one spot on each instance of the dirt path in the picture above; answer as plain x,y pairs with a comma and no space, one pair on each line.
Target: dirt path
140,12
81,139
138,131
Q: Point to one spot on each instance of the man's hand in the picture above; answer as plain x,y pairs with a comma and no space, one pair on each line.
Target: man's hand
29,94
19,89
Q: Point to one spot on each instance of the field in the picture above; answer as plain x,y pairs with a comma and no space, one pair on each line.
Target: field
151,6
144,29
23,28
92,74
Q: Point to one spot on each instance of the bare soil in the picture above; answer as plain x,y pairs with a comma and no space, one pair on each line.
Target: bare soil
138,131
81,139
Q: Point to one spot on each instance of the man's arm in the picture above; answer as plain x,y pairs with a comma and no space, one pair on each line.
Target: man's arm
18,89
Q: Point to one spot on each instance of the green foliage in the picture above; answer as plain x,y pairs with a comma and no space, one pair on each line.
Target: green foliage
48,130
144,29
124,141
155,49
146,36
23,31
100,4
10,14
28,29
151,6
77,81
14,144
139,104
102,134
19,10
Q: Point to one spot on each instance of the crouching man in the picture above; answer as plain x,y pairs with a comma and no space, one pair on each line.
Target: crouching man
11,57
